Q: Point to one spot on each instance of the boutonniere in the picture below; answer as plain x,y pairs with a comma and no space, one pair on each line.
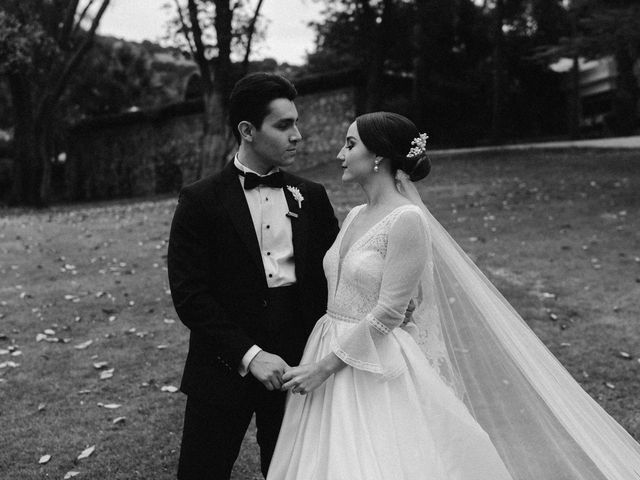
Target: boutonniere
297,196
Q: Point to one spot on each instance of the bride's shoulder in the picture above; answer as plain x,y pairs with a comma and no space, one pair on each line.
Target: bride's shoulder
408,216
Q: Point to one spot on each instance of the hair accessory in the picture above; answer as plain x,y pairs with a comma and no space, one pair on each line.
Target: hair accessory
420,146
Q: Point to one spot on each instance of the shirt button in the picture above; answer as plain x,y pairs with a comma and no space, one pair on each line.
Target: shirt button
268,226
264,303
268,253
270,275
266,199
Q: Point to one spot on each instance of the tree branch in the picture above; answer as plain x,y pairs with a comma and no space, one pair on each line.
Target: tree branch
54,94
250,32
67,24
185,29
83,14
201,59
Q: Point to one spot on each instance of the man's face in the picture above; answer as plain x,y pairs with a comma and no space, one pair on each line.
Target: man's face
276,140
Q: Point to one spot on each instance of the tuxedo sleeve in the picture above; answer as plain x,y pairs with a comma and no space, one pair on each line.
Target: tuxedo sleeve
190,243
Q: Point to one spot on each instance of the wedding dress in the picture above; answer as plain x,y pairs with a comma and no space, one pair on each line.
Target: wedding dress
388,415
465,391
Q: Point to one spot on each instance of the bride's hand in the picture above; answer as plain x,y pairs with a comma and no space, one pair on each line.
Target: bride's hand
306,378
407,188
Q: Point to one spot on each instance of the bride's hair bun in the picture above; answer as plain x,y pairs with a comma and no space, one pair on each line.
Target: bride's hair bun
394,137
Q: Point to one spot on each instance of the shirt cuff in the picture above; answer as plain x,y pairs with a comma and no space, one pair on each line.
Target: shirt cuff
243,369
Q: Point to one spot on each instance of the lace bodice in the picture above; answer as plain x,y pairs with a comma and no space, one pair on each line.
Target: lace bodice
373,283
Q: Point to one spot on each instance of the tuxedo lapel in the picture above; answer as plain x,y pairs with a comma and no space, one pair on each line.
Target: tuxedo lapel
299,224
235,202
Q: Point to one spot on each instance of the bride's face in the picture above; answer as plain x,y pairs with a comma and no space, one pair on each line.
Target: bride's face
356,160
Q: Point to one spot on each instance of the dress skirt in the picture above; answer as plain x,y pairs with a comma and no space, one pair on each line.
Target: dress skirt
358,426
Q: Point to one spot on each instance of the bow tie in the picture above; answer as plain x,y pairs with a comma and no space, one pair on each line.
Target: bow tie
251,180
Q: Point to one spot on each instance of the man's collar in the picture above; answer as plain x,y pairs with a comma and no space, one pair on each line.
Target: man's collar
243,168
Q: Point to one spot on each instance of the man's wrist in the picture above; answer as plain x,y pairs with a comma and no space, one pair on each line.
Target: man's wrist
248,357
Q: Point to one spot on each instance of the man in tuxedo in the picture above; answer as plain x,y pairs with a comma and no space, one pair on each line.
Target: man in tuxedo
245,269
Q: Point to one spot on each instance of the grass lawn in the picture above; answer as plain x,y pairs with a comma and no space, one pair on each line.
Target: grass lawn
84,295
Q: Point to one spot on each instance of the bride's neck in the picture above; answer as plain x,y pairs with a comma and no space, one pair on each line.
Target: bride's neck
379,190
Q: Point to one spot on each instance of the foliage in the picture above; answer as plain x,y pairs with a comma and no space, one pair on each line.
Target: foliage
445,52
42,46
120,76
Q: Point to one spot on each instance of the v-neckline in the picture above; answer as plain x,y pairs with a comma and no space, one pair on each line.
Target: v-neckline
341,257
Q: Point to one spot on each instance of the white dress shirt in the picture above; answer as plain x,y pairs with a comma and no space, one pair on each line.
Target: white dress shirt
268,207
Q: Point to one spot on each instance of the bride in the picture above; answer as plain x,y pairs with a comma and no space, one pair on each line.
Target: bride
464,390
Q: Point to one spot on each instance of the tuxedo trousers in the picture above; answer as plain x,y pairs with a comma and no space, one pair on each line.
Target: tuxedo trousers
213,430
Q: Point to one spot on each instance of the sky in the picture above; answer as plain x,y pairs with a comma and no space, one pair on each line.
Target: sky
288,37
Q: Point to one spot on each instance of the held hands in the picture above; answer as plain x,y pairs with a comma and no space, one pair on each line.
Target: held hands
306,378
268,369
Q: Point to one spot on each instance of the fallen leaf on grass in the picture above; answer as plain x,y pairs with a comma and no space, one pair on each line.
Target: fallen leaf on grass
41,407
118,420
106,374
625,355
100,365
169,321
9,364
169,388
70,474
110,406
86,452
610,385
83,345
44,459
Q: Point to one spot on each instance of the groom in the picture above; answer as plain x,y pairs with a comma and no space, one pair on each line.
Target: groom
245,269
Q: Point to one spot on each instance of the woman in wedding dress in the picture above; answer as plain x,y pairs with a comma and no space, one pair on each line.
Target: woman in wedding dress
463,390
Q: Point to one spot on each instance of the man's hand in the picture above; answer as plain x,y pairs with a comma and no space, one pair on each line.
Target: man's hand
268,369
408,314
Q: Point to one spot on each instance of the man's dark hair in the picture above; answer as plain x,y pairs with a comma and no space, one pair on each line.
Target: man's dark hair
251,95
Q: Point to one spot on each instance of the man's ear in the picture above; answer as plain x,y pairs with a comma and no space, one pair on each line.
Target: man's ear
246,130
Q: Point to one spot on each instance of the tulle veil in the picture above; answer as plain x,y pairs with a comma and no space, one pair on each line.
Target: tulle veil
543,424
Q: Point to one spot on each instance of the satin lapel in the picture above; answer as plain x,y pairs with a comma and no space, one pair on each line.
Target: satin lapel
299,225
235,203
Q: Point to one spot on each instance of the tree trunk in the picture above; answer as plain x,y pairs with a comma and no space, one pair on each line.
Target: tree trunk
574,100
625,100
375,70
214,147
27,167
497,121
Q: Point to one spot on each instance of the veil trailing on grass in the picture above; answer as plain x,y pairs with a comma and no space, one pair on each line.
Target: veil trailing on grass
543,424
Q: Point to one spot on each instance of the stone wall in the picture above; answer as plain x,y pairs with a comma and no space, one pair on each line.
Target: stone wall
145,153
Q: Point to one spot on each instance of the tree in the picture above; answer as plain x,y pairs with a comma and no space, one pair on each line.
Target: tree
42,44
211,30
613,28
360,34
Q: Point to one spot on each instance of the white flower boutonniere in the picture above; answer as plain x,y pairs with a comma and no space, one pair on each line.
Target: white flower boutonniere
297,196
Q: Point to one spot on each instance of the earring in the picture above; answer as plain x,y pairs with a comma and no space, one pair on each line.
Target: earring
376,166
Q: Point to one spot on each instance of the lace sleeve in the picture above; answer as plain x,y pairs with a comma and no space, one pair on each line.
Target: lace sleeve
368,346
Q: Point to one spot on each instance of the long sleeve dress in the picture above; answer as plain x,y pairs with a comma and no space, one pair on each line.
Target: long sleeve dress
388,414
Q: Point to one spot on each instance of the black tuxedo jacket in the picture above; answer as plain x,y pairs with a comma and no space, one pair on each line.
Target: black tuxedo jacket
217,278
